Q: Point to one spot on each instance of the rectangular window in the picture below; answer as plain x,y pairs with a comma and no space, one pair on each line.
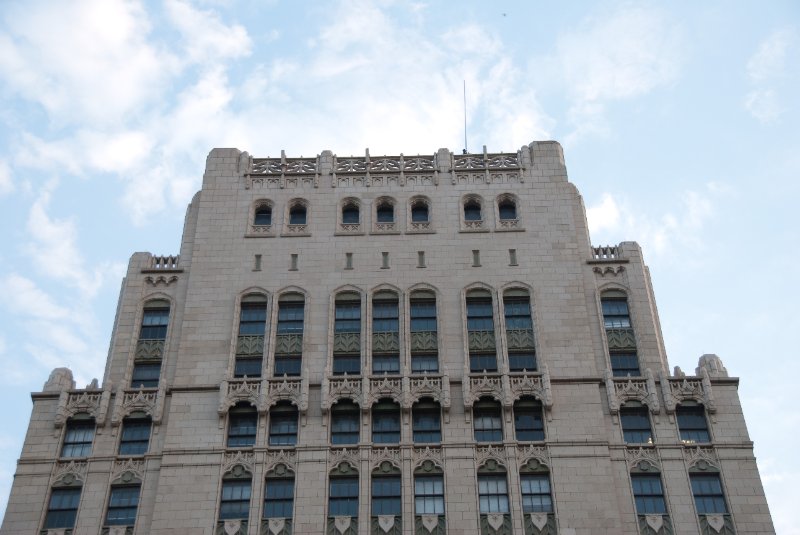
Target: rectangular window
290,318
429,495
424,363
423,315
528,421
488,422
636,425
345,425
154,324
122,506
242,424
235,500
343,496
385,364
536,496
518,314
283,427
648,494
63,508
386,423
624,364
247,366
493,493
145,375
426,423
479,315
287,365
279,498
135,436
78,438
708,496
616,314
348,317
253,319
481,362
386,495
520,361
385,316
692,424
346,364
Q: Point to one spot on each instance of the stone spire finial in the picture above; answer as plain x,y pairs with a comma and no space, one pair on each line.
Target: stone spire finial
712,364
60,379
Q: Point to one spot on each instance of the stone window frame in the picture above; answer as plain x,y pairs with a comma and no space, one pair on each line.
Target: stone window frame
261,231
154,300
618,291
353,229
287,294
419,227
474,225
516,290
508,225
384,292
297,229
344,294
252,293
421,290
381,227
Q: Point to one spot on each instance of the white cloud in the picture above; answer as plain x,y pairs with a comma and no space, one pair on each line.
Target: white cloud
98,67
765,67
6,183
206,37
621,55
604,215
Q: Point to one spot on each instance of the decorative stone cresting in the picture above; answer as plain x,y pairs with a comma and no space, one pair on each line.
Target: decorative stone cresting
286,457
245,459
712,364
530,384
384,387
529,452
238,390
67,472
127,466
429,454
476,386
430,386
622,389
676,390
378,456
338,456
342,387
149,401
484,454
294,390
642,458
93,402
701,458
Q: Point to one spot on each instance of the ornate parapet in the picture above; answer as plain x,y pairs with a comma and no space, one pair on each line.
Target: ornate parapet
436,387
294,390
237,390
147,400
676,390
384,387
427,457
92,402
478,385
643,459
343,387
623,389
530,384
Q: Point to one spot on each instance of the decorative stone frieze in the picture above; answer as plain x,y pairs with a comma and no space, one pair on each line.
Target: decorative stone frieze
275,458
496,524
245,459
69,472
160,280
643,459
436,387
530,384
716,525
701,458
539,523
276,526
231,527
343,387
346,342
481,340
238,390
430,525
384,387
337,456
676,390
428,454
342,525
294,390
486,454
655,525
379,456
92,402
520,339
149,350
612,271
422,341
289,344
149,401
622,339
250,345
623,389
476,386
387,524
134,467
532,457
385,342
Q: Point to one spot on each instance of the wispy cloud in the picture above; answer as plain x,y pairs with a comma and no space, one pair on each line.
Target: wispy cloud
6,182
764,69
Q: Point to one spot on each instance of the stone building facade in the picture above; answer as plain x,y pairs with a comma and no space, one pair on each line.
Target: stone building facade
389,345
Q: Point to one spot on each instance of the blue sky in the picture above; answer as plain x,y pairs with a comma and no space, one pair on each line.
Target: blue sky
678,122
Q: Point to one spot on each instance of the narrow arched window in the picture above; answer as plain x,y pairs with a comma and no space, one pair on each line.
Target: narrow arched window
386,422
472,211
283,424
419,212
297,215
345,423
263,215
350,214
507,209
488,421
385,212
242,426
426,417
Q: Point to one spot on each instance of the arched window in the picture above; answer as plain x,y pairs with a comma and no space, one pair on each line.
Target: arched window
345,423
283,424
648,494
298,214
347,334
692,423
234,501
263,214
350,213
386,422
480,331
289,336
619,334
385,333
384,212
488,421
420,213
426,419
635,422
78,436
519,331
242,426
155,320
343,492
135,436
250,340
507,209
62,510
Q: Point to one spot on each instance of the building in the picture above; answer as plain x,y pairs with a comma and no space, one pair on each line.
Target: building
394,345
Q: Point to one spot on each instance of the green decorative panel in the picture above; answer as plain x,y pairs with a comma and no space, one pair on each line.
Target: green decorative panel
716,525
342,525
620,339
385,342
276,526
424,341
655,525
387,525
496,524
347,343
149,349
430,525
250,345
481,340
289,344
540,524
520,339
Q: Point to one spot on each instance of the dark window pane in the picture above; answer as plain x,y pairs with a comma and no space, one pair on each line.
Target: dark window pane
636,425
249,366
297,215
283,427
345,424
145,375
508,210
419,213
279,498
518,313
78,439
479,315
528,422
488,422
493,494
536,496
135,436
263,216
385,213
708,496
235,502
287,365
252,319
348,317
349,364
242,427
693,425
518,362
63,508
429,495
481,362
385,364
625,364
386,423
350,214
290,318
424,363
154,324
615,313
343,496
648,494
122,506
472,211
386,495
426,424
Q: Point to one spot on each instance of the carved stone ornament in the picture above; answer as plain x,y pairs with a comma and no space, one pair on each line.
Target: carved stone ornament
676,390
531,456
127,469
117,530
495,520
232,527
386,522
385,388
336,388
67,473
276,525
531,384
380,456
655,522
342,523
293,390
701,458
145,400
644,459
349,456
92,402
621,390
476,386
434,387
238,462
57,531
277,458
233,392
539,520
608,270
427,454
716,522
160,280
486,455
430,522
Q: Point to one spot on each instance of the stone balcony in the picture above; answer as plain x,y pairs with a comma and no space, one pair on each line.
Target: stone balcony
404,390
